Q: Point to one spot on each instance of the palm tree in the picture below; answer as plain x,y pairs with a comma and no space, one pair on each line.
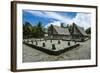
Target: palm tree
27,30
30,31
39,31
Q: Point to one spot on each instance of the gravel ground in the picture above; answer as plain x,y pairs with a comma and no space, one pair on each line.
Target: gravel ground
79,53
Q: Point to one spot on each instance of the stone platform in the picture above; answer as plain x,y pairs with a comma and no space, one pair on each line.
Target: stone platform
60,48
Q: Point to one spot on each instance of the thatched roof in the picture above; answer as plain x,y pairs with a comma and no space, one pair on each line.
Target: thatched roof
61,31
80,30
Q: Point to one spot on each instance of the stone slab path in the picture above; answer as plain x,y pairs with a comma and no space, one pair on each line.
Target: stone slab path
79,53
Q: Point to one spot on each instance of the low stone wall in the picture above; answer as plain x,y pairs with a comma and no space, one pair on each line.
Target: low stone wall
52,52
78,40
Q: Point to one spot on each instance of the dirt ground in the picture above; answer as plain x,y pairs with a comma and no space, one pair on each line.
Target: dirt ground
79,53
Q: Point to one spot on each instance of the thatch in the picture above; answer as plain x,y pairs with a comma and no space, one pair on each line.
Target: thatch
79,29
61,31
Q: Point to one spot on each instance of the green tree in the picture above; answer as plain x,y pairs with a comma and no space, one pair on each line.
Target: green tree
67,26
62,25
27,30
70,28
39,29
34,32
88,30
30,31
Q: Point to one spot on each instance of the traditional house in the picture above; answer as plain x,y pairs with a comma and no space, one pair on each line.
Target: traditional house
78,33
56,32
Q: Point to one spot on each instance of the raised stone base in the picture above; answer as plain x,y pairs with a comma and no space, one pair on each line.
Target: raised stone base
52,52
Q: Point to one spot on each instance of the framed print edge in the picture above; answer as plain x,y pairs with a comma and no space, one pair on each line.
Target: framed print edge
96,36
14,36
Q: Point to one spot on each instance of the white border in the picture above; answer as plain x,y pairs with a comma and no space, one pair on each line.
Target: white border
34,65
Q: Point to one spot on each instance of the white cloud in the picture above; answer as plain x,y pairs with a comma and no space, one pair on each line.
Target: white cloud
81,19
57,16
58,23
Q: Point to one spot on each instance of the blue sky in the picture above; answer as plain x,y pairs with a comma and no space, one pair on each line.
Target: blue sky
54,17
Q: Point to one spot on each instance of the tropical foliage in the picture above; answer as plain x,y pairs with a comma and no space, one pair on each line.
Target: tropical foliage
30,31
38,30
88,30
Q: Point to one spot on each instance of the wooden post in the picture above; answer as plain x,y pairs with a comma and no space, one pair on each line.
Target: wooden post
68,43
53,47
32,41
36,42
59,42
43,44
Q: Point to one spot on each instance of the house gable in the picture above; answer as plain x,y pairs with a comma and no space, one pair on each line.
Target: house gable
52,30
76,30
61,31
